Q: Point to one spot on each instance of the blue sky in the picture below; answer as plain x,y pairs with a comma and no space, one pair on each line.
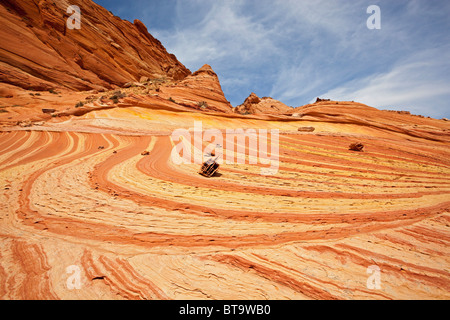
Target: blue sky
297,50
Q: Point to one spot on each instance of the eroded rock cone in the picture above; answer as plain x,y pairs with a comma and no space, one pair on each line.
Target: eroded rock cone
356,146
266,105
201,89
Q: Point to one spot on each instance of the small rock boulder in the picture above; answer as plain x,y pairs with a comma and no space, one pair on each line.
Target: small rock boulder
48,110
306,129
25,123
358,146
132,84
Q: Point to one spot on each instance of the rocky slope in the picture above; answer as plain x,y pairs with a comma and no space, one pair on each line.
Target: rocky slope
39,52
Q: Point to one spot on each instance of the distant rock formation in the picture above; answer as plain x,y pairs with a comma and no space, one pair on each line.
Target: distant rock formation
399,112
255,105
320,100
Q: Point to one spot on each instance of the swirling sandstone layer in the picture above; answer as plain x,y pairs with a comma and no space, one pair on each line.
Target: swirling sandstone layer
141,227
94,204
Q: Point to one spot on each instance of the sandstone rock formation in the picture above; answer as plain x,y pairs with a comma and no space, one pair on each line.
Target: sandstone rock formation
255,105
40,53
200,90
95,187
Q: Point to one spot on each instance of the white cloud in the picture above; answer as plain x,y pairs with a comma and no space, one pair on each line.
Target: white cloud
419,84
223,32
296,50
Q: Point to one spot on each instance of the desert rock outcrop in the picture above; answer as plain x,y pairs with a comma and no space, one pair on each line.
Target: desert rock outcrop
200,90
266,105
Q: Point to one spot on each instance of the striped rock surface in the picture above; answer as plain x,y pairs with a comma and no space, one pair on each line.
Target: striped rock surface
84,215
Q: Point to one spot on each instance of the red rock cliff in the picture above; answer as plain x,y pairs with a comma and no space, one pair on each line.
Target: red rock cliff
38,51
